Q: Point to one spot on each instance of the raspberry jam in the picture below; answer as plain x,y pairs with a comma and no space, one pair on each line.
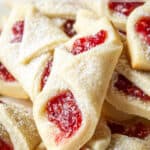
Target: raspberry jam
5,75
5,146
143,28
46,73
137,129
129,88
17,31
124,8
63,111
86,43
68,27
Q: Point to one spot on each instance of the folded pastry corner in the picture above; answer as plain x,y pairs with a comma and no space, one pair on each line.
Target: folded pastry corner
9,86
40,35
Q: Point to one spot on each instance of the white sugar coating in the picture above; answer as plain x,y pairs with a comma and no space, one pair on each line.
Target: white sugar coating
4,134
23,120
139,78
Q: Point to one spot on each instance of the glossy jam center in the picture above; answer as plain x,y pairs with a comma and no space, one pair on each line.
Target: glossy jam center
138,129
86,43
143,28
5,75
46,73
17,31
124,8
63,111
5,146
68,27
129,88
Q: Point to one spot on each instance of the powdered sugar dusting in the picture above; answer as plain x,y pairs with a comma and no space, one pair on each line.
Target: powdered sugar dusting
23,120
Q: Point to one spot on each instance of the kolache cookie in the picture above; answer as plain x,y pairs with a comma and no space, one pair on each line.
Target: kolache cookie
128,131
119,11
16,118
70,86
138,32
129,89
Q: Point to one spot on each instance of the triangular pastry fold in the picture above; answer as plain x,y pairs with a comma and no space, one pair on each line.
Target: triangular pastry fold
8,84
128,131
78,82
40,36
17,119
138,32
126,91
85,17
119,11
29,75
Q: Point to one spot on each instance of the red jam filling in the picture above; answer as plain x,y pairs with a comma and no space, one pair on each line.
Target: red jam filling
68,27
129,88
46,73
63,111
143,28
5,75
86,43
124,8
138,129
5,146
17,30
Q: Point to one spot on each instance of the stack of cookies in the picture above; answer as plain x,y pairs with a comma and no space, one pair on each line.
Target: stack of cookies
75,75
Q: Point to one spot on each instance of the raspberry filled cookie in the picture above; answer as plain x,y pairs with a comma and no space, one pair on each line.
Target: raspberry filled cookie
16,118
78,78
119,11
128,131
138,31
129,89
27,62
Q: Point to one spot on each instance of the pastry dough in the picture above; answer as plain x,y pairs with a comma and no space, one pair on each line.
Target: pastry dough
118,18
5,140
68,8
39,29
126,103
86,81
16,117
139,52
27,74
99,141
123,142
101,138
12,89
